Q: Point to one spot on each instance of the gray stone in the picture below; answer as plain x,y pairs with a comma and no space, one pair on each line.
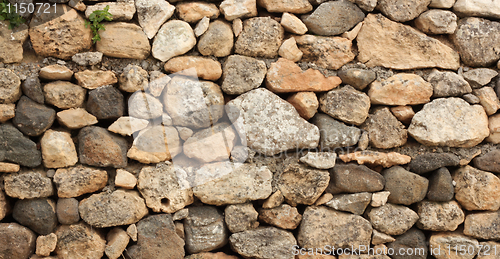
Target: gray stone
401,10
152,14
479,77
75,181
10,86
79,241
413,238
174,38
28,184
481,8
319,160
264,243
333,18
241,74
439,216
489,161
428,162
437,22
366,5
334,134
354,178
32,118
405,187
33,89
483,225
472,99
205,229
392,219
217,40
106,102
37,214
345,104
385,130
354,203
447,84
16,241
67,211
300,184
64,95
99,147
87,58
261,37
441,186
144,106
17,148
357,78
241,217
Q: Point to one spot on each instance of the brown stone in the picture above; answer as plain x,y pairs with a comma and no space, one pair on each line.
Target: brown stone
284,216
79,241
392,219
384,130
11,45
280,6
28,184
46,244
67,211
476,189
9,167
326,52
376,158
439,216
98,147
488,99
218,40
117,243
403,113
306,104
75,181
192,12
7,112
400,89
494,126
205,68
293,24
235,9
261,37
301,184
290,51
64,95
241,217
155,144
123,40
16,241
55,72
93,79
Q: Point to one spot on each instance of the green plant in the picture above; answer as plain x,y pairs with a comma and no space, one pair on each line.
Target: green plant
96,17
8,13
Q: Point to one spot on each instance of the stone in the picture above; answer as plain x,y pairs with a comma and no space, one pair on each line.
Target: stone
333,18
207,255
264,242
132,232
121,207
488,161
32,88
385,130
357,78
376,158
241,217
482,225
379,198
413,238
212,144
126,126
192,12
58,149
283,216
162,190
293,24
32,118
476,45
16,241
87,58
75,181
28,184
46,244
449,243
238,183
405,187
133,79
476,189
37,214
125,179
300,184
428,162
345,104
353,178
250,111
273,201
445,4
353,33
447,84
432,125
7,112
193,103
437,22
392,219
470,98
173,33
319,160
11,46
401,11
233,9
120,11
76,118
9,167
323,199
106,103
493,125
157,83
366,5
117,243
261,37
289,50
205,229
152,14
354,203
334,134
403,113
99,147
94,79
325,52
380,43
277,6
155,144
400,89
217,40
204,68
346,229
180,215
60,33
179,230
488,99
64,95
285,76
124,40
55,72
157,239
306,104
479,77
441,186
438,216
201,27
485,253
480,8
144,106
241,74
381,238
79,240
67,211
185,133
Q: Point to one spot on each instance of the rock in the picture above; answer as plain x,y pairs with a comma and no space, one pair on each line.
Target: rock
32,118
353,178
16,241
124,40
379,198
241,217
437,22
376,158
9,167
205,229
432,125
233,9
289,50
392,219
273,201
67,211
381,238
79,180
293,24
132,232
261,37
120,11
345,104
239,183
326,52
441,242
133,79
181,214
60,33
346,230
121,207
353,33
445,4
319,160
300,184
493,125
437,216
285,76
173,33
37,214
205,68
357,78
470,98
201,27
481,8
413,238
482,225
79,240
11,46
207,255
28,184
117,243
212,144
46,244
405,187
242,74
98,147
428,162
157,83
306,103
488,161
333,18
217,40
250,111
144,106
283,216
192,12
400,89
125,179
93,79
193,103
335,134
162,190
127,126
277,6
476,189
76,118
401,11
476,45
380,45
441,186
155,144
7,112
265,243
479,77
106,103
447,84
185,133
64,95
55,72
32,88
483,254
58,149
152,14
87,58
384,130
354,203
488,99
403,113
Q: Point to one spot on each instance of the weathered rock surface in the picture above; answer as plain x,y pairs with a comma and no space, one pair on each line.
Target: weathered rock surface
488,99
192,12
144,106
217,40
405,187
400,89
37,214
155,144
5,206
345,104
127,126
334,134
117,241
67,211
424,163
133,79
152,14
261,37
55,72
92,79
17,241
283,216
289,50
437,216
75,181
87,58
376,158
479,77
265,243
352,178
476,189
173,33
79,240
32,118
480,8
205,229
99,147
437,22
333,18
205,68
320,160
300,184
306,104
482,225
120,11
11,46
392,219
64,95
233,9
401,11
447,84
453,240
357,78
242,74
354,203
212,144
76,118
384,130
58,149
441,186
123,40
295,6
488,161
31,87
241,217
28,184
46,244
325,52
413,238
17,148
293,24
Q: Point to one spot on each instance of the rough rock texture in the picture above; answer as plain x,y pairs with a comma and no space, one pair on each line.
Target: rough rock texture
320,160
479,77
117,243
283,216
79,240
345,104
123,40
392,219
447,84
126,126
242,74
488,99
46,244
205,229
37,214
233,9
357,78
354,203
402,11
437,22
155,144
376,158
445,240
334,134
67,211
10,86
405,187
99,147
413,238
17,148
306,104
488,161
17,241
480,8
424,163
32,118
302,185
133,78
31,87
11,46
261,37
437,216
76,118
384,130
205,68
106,103
333,18
28,184
212,144
64,95
152,14
325,52
353,178
75,181
58,149
173,33
144,106
441,186
400,89
217,40
482,225
241,217
476,189
121,11
265,243
195,11
295,6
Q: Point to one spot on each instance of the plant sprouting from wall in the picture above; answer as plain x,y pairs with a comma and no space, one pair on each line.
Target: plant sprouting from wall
95,19
8,13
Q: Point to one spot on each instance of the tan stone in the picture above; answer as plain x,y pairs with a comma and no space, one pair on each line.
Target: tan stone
403,113
476,189
293,24
174,38
117,241
306,103
392,219
123,40
55,72
400,89
448,245
275,200
208,255
58,149
483,225
93,79
10,86
120,11
7,112
494,126
20,185
155,144
319,256
64,95
205,68
324,199
212,144
127,126
291,6
233,9
238,27
488,251
46,244
201,27
11,44
289,50
439,216
353,33
284,216
4,205
152,14
76,118
376,158
79,241
192,12
488,99
132,232
125,179
381,238
75,181
157,82
382,42
9,167
326,52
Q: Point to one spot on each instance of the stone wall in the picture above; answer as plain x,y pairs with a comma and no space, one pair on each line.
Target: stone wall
251,129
